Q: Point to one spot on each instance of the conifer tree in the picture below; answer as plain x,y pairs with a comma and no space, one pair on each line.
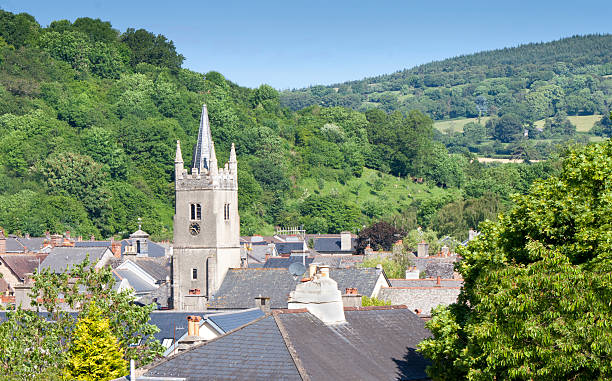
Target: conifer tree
94,353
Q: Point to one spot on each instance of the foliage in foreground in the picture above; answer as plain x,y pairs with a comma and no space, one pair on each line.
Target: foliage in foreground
373,301
36,345
94,353
536,297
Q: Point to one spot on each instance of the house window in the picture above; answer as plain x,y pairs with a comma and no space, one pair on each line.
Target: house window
196,212
226,212
194,274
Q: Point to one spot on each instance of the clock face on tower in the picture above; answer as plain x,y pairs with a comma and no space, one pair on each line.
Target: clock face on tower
194,228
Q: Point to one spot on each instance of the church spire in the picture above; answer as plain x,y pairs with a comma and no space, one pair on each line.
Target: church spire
203,147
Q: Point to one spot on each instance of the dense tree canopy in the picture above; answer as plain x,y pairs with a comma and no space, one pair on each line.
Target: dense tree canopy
536,297
89,118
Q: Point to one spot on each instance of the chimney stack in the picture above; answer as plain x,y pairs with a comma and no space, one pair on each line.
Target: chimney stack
263,303
423,249
320,297
352,298
116,247
412,273
193,325
438,283
345,241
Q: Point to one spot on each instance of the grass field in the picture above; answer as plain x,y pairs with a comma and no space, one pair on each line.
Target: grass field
456,125
583,123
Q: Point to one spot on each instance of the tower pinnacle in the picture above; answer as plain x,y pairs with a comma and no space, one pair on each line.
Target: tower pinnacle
179,155
203,147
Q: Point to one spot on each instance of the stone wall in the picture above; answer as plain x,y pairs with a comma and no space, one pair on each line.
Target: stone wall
420,298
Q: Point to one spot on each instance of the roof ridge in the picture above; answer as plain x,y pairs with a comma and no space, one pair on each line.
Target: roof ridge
377,308
291,349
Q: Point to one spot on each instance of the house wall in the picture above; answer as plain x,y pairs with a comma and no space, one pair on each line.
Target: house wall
8,275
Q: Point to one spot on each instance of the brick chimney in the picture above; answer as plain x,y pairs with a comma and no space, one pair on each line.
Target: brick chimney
263,303
345,241
438,281
116,247
193,325
67,235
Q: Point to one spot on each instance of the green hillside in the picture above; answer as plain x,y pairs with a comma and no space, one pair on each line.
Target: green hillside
534,81
89,118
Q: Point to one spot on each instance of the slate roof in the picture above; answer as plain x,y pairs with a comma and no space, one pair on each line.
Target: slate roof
158,268
339,261
241,286
436,266
288,247
227,321
255,352
138,284
285,262
171,323
14,246
154,250
92,244
22,264
332,244
61,257
33,244
376,343
425,282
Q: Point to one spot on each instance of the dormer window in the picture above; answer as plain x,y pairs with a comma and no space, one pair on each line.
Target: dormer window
196,212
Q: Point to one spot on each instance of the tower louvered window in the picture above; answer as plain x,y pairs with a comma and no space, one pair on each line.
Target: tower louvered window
226,212
196,212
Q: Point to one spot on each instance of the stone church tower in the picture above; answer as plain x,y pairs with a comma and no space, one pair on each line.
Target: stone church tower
206,222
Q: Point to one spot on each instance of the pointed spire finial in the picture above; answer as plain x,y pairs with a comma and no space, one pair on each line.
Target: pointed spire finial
213,170
203,147
139,223
232,158
179,155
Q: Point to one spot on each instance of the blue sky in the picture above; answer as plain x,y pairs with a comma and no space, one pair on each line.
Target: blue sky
293,43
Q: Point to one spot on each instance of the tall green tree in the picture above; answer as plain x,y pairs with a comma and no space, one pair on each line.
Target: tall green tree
537,285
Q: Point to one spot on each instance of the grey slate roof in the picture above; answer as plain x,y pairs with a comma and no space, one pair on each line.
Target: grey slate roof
61,257
227,321
288,247
425,282
241,286
14,246
436,266
171,323
158,268
339,261
138,284
374,344
285,262
33,244
332,244
22,264
255,352
92,244
363,279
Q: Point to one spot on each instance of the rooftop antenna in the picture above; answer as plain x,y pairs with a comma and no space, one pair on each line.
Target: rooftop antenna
297,269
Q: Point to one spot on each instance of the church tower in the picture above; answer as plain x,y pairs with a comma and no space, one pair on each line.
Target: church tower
206,222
